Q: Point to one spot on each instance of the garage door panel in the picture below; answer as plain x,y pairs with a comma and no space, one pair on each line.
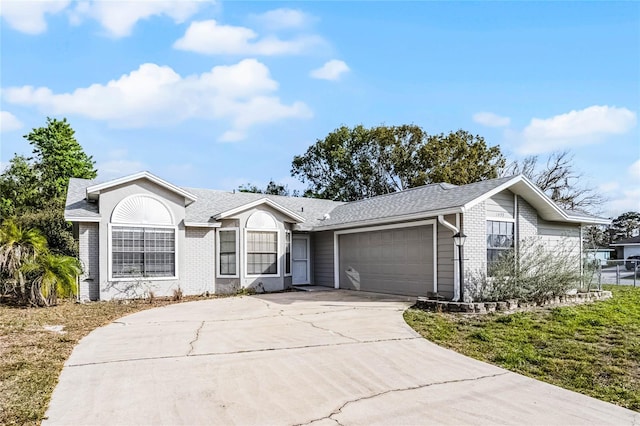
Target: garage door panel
389,261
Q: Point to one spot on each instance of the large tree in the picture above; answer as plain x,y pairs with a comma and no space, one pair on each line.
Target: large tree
57,157
627,225
354,163
33,189
557,177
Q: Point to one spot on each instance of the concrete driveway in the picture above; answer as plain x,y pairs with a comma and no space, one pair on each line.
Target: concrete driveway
322,358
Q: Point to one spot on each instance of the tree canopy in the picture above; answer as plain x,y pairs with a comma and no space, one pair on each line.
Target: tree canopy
272,188
355,163
627,225
33,189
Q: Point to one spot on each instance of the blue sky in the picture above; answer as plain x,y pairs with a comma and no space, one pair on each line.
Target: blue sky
218,94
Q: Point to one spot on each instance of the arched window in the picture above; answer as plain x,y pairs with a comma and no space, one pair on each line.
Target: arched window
262,245
142,239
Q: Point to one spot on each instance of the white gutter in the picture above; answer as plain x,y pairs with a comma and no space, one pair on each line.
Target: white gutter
386,220
456,273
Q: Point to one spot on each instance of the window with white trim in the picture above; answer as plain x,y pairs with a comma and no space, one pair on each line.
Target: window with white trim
228,252
143,252
287,253
499,241
262,252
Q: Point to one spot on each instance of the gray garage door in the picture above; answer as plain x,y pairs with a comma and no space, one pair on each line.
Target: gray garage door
397,261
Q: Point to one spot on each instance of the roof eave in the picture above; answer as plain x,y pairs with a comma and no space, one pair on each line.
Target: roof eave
93,191
390,219
202,224
81,219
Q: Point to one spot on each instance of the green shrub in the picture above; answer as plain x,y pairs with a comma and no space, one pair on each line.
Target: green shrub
533,273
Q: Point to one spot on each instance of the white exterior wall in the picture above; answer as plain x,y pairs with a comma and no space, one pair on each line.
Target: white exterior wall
199,261
141,287
261,282
563,237
527,223
474,252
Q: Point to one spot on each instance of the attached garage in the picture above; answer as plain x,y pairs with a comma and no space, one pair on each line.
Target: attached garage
395,259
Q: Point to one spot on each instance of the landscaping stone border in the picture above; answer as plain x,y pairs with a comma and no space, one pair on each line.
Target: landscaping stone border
509,305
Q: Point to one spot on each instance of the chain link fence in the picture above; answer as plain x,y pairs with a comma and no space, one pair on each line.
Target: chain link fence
618,272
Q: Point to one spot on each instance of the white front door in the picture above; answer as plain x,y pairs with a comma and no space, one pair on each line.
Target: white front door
300,258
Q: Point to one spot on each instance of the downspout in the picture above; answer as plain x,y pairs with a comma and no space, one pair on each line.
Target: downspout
456,276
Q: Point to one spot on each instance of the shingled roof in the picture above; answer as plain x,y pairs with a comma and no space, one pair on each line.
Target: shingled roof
428,199
318,214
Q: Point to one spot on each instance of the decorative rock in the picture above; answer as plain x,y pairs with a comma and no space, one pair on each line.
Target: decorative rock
508,305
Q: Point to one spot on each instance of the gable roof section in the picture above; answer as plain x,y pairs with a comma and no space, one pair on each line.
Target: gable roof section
296,218
216,203
545,207
93,191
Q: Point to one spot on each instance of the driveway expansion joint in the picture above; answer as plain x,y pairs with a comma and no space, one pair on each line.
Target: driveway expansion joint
410,388
242,351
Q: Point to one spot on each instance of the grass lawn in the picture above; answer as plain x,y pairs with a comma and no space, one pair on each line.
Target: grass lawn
31,358
593,349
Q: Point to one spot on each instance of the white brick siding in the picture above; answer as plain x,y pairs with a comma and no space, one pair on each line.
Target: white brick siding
527,221
88,245
199,261
474,252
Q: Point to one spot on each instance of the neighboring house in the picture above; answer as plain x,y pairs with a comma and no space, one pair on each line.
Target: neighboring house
601,254
140,233
627,247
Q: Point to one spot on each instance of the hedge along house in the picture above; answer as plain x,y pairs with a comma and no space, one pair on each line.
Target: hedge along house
140,233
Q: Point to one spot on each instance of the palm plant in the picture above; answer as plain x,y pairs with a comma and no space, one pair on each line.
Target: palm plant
52,276
17,248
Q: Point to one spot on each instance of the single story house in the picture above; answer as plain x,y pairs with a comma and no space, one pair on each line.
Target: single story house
600,254
141,234
627,247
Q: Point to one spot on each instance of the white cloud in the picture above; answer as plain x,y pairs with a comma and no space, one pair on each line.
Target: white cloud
490,119
628,200
624,196
9,122
117,165
210,38
119,17
29,16
608,186
241,95
331,70
634,170
283,18
575,128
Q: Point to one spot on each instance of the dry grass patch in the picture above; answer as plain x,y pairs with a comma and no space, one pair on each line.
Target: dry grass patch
31,357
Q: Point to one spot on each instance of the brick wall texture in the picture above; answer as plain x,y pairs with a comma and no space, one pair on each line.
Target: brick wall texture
527,221
198,261
474,252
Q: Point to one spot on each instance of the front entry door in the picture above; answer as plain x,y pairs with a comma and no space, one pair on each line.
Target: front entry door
300,258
